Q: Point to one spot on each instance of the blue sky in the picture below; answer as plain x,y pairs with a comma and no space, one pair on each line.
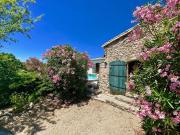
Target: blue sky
84,24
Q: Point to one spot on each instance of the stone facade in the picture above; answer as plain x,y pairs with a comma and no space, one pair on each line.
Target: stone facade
103,78
118,49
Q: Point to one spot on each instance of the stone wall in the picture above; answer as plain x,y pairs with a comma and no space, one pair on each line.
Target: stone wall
120,49
103,78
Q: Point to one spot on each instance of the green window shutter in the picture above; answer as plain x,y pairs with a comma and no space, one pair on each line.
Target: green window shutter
117,77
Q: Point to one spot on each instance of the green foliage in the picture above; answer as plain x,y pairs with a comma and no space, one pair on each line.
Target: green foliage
9,66
24,81
13,78
19,101
15,18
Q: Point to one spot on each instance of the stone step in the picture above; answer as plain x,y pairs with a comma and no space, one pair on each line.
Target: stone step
124,99
110,99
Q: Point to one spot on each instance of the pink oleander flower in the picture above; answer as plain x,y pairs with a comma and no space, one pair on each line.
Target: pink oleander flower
140,115
157,105
168,57
165,10
153,49
145,109
173,78
143,113
131,85
155,129
159,130
175,87
148,13
165,48
153,116
171,9
161,115
136,34
176,119
157,111
167,67
50,72
55,78
163,74
144,56
173,3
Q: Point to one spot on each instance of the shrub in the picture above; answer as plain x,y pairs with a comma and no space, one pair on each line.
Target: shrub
67,70
9,66
31,84
19,101
157,83
14,78
40,69
25,82
35,65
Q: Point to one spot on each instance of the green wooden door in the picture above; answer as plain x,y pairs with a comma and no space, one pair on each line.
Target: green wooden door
117,77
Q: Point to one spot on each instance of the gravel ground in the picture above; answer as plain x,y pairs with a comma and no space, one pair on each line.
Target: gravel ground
95,118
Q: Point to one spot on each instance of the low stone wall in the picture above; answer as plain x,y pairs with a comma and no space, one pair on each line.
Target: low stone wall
120,49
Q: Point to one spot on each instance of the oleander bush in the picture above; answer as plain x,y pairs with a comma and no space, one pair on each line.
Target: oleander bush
67,70
157,81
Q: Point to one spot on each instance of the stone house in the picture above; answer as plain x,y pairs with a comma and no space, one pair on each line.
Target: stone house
120,61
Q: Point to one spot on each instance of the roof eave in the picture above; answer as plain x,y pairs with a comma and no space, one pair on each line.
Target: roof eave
117,37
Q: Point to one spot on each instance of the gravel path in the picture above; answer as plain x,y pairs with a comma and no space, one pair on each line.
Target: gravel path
95,118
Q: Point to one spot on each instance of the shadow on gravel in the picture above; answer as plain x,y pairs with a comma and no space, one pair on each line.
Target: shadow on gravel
30,120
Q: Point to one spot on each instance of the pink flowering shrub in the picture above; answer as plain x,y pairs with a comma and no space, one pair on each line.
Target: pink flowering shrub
157,82
67,70
35,65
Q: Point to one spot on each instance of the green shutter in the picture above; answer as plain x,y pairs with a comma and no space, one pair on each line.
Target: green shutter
117,77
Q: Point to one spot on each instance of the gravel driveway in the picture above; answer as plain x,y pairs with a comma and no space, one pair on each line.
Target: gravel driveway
95,118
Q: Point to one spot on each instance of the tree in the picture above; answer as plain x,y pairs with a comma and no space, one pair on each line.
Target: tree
9,66
15,18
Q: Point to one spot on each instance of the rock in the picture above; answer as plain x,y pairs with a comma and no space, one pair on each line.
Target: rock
6,119
31,105
51,109
26,130
30,130
8,114
30,111
1,113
